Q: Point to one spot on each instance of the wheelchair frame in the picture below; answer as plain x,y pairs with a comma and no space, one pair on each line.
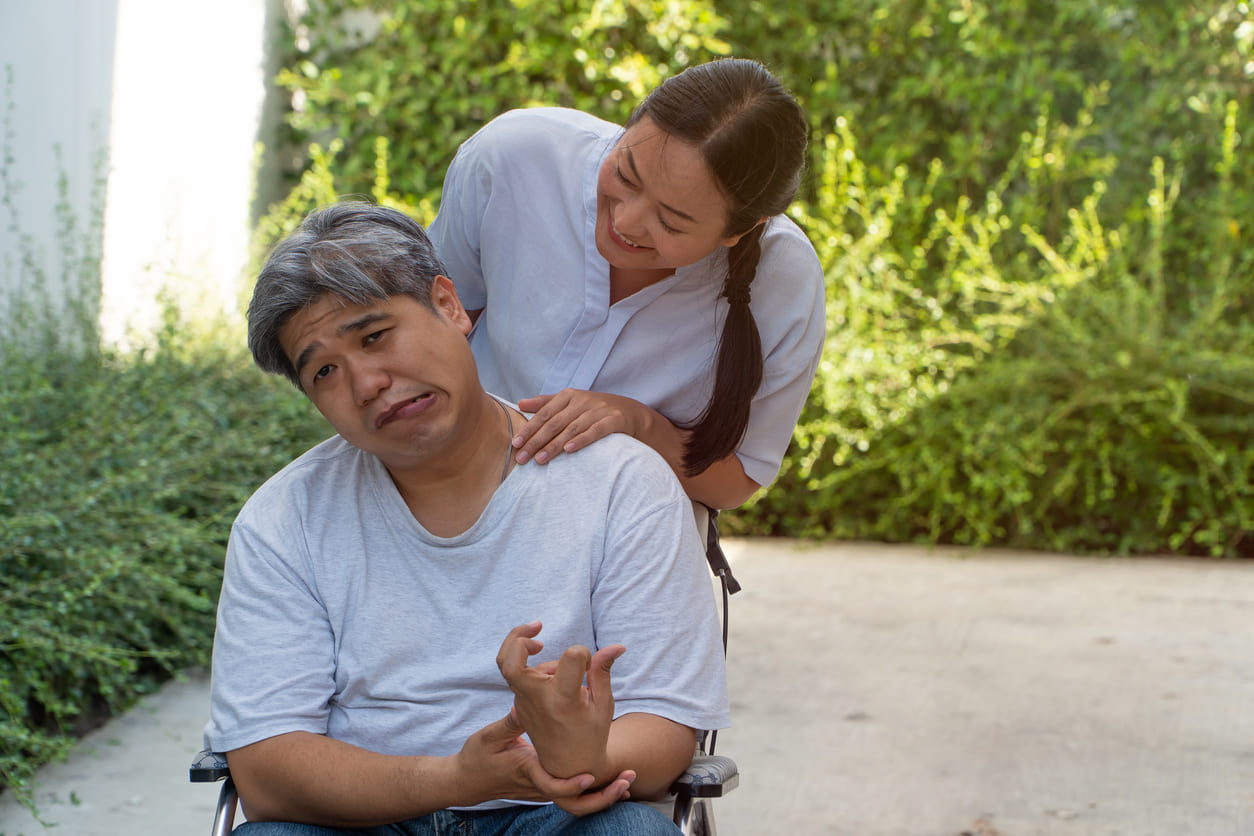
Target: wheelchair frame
708,777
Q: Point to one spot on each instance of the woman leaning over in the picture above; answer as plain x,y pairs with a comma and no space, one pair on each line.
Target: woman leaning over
643,279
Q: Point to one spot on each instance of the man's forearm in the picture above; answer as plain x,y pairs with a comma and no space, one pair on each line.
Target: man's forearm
656,749
309,778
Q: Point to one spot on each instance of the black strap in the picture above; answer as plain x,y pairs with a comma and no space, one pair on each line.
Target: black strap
718,561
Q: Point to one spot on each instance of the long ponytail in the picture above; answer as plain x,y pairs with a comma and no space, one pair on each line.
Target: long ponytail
738,372
752,134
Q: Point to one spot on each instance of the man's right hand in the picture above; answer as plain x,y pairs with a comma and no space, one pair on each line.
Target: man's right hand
508,767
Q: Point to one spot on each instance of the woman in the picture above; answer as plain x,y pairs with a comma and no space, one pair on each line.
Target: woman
643,279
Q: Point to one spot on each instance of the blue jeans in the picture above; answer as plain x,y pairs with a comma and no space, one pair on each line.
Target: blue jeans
548,820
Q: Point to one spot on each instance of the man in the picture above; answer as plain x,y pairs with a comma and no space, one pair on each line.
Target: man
384,592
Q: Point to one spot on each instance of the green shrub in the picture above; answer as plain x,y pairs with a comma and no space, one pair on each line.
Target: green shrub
918,80
425,74
121,478
1103,406
977,194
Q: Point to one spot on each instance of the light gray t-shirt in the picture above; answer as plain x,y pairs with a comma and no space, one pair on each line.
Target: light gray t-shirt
517,233
341,615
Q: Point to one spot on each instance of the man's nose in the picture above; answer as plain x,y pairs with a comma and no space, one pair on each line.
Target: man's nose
369,379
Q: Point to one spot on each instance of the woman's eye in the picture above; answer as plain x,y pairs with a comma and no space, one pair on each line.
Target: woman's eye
670,229
321,373
618,172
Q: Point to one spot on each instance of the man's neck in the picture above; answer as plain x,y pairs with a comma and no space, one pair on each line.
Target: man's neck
448,496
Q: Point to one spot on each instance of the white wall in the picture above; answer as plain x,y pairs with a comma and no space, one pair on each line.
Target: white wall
189,86
177,90
59,56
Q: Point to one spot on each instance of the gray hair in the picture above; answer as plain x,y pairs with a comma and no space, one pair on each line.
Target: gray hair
357,252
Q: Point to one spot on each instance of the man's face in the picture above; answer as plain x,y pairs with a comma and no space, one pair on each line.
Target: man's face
392,376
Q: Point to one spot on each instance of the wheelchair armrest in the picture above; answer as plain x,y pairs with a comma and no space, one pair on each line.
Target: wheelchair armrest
708,776
208,767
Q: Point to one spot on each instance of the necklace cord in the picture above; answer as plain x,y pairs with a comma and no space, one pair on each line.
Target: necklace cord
509,442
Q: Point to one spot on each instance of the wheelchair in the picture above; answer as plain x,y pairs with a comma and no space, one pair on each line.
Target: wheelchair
708,777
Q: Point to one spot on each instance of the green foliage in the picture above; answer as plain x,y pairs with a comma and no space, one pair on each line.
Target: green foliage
1099,403
918,79
425,74
962,81
121,478
1023,349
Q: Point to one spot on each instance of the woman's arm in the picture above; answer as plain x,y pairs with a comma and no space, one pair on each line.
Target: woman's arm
573,418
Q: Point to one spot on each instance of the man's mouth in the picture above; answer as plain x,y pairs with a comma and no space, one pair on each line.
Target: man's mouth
404,409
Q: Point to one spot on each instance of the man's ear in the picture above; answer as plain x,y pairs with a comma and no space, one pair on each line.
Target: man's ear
732,240
444,300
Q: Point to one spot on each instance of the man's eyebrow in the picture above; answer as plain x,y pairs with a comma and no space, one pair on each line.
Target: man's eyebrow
302,359
359,324
631,161
362,322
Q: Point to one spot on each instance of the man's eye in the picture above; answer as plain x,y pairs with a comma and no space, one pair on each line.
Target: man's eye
373,337
321,373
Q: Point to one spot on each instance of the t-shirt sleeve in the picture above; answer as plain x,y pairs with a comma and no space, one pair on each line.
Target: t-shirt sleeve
654,595
273,654
792,320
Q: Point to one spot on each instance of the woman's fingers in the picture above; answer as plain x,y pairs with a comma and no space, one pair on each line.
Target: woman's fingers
568,421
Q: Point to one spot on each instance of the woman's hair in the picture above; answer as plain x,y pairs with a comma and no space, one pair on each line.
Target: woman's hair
753,136
357,252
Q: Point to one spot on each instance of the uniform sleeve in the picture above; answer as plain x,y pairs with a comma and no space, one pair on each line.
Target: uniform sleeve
654,596
790,308
455,232
273,650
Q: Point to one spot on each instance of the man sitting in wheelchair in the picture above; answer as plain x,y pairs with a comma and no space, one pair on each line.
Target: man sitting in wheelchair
378,656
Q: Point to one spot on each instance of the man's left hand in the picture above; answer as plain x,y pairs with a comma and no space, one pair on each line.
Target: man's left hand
568,722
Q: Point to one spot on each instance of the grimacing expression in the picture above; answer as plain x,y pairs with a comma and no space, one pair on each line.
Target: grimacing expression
392,376
659,206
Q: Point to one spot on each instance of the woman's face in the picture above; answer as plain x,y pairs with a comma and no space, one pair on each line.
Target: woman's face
658,205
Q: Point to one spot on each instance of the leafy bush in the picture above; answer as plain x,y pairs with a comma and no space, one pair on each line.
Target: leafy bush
1102,407
425,74
978,196
917,80
121,478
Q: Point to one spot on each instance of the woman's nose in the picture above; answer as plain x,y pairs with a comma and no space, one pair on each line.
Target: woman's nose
629,220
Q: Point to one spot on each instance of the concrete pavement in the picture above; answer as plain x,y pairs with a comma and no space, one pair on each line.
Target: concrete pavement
887,691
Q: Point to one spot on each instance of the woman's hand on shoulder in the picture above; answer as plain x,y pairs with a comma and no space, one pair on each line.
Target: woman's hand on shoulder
574,418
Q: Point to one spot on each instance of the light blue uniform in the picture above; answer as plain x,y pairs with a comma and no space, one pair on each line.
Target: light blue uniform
516,231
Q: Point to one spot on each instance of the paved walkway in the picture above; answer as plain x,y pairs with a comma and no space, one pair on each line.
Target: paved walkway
888,691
